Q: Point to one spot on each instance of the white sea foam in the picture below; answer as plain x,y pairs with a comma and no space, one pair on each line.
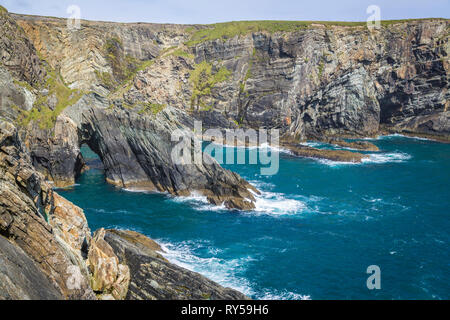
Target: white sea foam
226,272
199,202
397,135
312,144
222,271
273,203
387,157
394,157
270,203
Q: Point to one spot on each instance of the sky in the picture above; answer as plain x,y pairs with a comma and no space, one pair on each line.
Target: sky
204,11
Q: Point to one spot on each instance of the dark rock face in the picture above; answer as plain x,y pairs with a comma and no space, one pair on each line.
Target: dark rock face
20,278
154,278
333,81
136,151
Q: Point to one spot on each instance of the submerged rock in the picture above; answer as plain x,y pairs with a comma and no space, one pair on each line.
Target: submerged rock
333,155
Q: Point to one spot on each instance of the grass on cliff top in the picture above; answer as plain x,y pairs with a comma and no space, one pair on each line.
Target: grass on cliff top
228,30
3,9
41,112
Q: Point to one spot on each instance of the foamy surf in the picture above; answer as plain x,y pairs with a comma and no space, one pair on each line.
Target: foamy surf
198,202
270,203
273,203
225,272
397,135
387,157
393,157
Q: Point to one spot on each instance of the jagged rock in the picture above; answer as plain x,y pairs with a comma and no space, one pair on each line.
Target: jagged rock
109,277
154,278
21,278
14,98
26,201
347,105
358,145
17,52
136,151
434,126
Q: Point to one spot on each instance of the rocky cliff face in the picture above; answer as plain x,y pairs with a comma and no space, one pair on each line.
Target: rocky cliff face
40,225
47,251
321,79
124,88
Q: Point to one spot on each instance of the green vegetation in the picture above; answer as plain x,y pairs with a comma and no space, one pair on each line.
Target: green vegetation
229,30
321,66
106,79
23,84
123,66
151,108
3,10
41,112
182,53
203,80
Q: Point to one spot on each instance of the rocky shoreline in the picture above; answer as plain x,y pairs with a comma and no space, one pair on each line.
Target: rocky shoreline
124,89
47,250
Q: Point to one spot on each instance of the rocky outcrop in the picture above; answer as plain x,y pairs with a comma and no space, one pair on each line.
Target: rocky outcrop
21,278
154,278
17,52
109,279
35,220
315,82
333,155
136,151
47,251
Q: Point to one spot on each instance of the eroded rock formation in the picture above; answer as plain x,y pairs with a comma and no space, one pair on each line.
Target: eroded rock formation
153,277
47,251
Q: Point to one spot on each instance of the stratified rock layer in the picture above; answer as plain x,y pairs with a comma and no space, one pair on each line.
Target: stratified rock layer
154,278
27,202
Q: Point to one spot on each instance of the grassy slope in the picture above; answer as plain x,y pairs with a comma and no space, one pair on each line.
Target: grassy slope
228,30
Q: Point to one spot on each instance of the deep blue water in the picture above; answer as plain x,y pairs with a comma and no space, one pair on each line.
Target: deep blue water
317,228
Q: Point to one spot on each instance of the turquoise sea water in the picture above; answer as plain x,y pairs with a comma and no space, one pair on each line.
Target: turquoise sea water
317,227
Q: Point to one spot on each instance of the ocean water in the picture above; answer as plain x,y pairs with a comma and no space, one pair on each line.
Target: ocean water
317,227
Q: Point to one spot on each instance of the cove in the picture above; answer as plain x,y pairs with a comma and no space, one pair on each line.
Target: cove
316,228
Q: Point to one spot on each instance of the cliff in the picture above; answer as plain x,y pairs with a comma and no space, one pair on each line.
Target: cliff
306,78
138,81
47,250
123,89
